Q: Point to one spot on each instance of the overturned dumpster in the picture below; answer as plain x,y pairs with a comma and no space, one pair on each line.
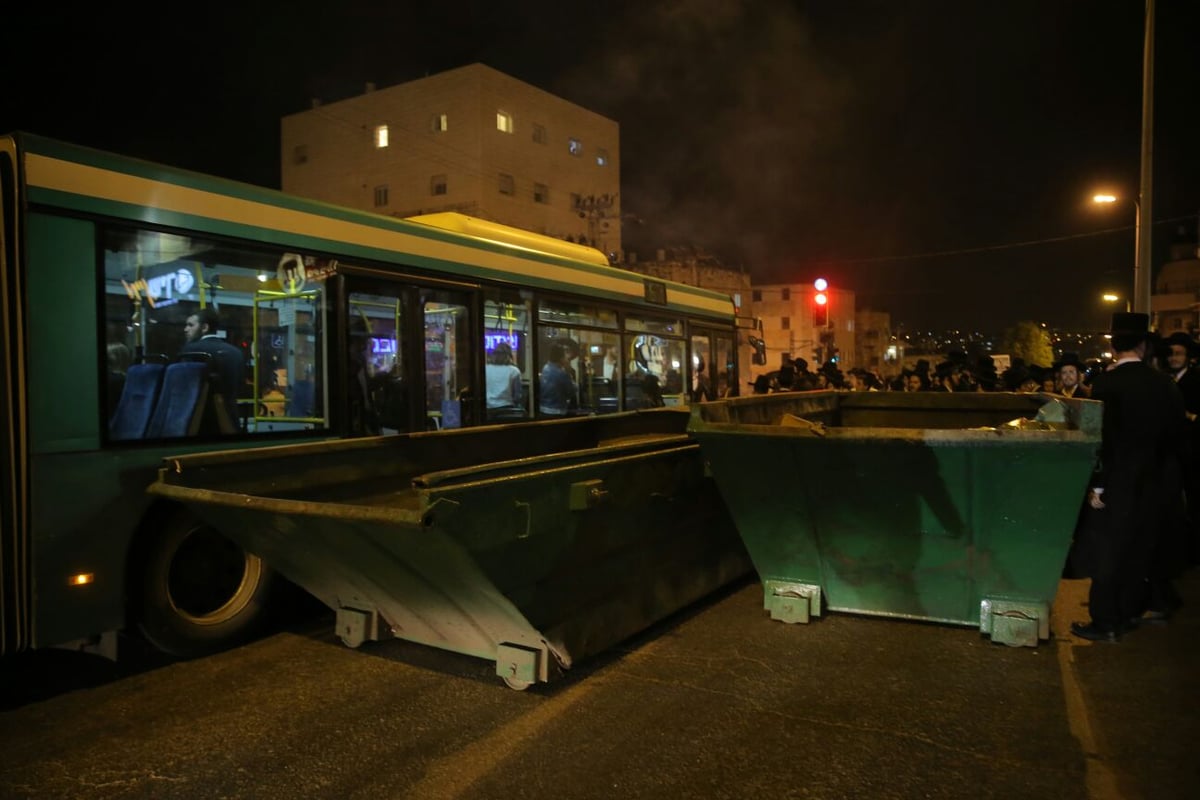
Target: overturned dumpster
530,545
946,507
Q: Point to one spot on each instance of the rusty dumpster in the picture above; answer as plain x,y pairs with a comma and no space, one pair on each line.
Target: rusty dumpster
946,507
531,545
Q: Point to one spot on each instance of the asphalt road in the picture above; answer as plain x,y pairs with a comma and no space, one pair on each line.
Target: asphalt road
717,702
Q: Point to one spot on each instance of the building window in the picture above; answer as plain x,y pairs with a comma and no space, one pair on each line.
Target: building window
381,136
507,185
786,294
575,147
437,184
381,196
539,133
541,193
785,323
601,158
504,121
439,123
756,295
300,154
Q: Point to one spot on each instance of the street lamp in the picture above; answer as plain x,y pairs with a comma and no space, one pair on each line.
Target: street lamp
1141,282
1109,297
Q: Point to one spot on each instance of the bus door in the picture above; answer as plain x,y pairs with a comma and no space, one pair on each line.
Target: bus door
713,368
450,353
410,357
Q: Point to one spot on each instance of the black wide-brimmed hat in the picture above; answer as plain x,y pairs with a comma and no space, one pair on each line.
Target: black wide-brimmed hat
1184,340
1069,360
1130,323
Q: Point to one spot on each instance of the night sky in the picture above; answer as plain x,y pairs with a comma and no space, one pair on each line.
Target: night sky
936,157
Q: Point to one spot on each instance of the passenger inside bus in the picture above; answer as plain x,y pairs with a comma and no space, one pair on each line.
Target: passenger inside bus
557,388
228,365
504,392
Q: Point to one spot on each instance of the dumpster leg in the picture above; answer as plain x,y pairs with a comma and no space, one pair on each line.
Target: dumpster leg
1014,623
792,602
355,626
517,665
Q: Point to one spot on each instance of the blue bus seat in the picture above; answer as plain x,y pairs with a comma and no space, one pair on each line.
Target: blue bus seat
136,406
301,403
181,402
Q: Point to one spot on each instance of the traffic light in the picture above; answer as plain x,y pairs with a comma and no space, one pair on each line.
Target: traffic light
820,303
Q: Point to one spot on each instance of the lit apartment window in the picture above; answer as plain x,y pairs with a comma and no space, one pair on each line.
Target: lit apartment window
575,147
539,133
437,184
507,185
541,193
601,158
785,323
504,121
439,123
381,196
300,154
381,136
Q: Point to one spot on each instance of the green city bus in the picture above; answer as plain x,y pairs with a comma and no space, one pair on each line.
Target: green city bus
347,324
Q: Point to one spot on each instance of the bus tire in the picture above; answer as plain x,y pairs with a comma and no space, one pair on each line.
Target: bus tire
200,592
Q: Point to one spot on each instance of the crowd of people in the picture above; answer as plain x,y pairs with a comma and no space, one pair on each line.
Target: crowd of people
956,373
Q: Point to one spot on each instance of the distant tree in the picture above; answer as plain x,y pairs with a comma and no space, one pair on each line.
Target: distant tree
1030,341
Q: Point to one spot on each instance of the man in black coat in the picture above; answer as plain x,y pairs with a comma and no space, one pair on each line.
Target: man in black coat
1137,479
1180,356
200,329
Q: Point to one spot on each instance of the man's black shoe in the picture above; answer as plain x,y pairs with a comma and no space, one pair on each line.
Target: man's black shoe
1095,633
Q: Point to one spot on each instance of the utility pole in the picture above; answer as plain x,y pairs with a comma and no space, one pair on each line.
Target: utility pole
1142,282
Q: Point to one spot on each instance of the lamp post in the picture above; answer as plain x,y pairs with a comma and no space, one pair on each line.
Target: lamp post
1143,204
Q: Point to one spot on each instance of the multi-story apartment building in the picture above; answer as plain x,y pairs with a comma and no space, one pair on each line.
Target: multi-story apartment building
472,140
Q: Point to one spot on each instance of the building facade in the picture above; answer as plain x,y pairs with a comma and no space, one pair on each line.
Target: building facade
1176,298
472,140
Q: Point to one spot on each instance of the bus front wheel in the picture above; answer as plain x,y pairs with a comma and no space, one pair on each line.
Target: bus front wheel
201,592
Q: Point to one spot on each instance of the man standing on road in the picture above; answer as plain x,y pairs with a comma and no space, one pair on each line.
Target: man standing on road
1139,472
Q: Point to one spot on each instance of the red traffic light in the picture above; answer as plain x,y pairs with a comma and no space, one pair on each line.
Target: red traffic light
820,303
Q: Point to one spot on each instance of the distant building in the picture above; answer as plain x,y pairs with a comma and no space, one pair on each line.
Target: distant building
874,348
1176,298
472,140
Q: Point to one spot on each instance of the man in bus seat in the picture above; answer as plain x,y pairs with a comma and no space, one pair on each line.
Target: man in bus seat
229,365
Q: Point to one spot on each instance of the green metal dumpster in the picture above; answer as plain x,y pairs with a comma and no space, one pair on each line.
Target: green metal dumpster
532,545
946,507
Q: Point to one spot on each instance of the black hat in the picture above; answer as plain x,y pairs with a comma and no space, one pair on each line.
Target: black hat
1130,323
1184,340
945,369
1069,360
1015,375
